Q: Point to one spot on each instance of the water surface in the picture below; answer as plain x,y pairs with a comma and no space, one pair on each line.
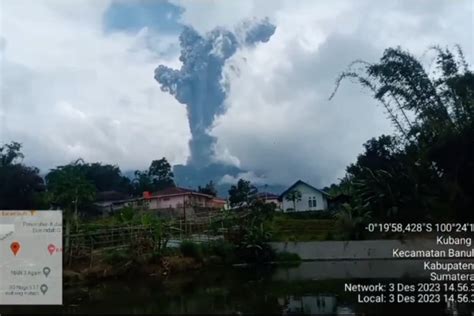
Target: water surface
309,288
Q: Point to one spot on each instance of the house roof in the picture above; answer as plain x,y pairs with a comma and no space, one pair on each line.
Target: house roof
267,195
177,191
116,202
304,183
172,190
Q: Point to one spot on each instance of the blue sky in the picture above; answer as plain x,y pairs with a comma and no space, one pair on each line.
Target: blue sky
131,16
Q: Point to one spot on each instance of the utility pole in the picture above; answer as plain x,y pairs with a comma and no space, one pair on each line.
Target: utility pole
184,212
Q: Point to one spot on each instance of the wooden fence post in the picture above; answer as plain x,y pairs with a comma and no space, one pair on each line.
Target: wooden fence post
91,251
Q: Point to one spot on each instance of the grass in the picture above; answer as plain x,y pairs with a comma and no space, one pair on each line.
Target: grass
285,256
116,256
285,228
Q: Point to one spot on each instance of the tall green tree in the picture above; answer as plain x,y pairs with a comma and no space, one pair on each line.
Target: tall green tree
142,182
105,177
69,189
10,154
243,193
21,187
161,174
426,169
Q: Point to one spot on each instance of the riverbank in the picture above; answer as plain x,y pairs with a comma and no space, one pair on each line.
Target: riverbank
189,256
147,266
123,263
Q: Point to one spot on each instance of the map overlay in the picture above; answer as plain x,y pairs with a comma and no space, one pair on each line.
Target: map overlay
31,257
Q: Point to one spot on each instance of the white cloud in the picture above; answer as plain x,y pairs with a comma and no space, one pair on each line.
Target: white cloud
279,120
68,90
249,176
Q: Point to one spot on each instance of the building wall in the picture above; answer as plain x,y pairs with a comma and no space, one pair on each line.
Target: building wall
167,202
307,193
181,201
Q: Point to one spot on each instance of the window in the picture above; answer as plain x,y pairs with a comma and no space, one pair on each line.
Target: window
312,202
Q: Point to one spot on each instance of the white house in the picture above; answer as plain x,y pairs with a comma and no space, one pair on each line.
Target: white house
311,199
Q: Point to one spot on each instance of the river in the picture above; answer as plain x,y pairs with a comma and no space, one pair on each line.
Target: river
308,288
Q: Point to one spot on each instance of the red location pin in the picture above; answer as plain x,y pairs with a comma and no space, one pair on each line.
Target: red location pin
15,247
51,249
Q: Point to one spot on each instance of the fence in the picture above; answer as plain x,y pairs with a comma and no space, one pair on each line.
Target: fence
83,244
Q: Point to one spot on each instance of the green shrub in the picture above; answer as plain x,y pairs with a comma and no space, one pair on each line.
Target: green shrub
221,248
190,249
285,256
116,256
311,215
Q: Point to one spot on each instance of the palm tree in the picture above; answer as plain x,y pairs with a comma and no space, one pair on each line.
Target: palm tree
294,196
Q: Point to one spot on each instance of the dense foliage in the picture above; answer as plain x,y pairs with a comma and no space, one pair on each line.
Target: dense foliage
21,187
248,232
243,193
72,187
158,177
426,170
69,187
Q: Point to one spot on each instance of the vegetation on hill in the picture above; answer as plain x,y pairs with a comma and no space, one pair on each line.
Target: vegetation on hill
285,228
423,172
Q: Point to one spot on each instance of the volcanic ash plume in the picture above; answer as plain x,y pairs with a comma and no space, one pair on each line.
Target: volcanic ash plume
197,83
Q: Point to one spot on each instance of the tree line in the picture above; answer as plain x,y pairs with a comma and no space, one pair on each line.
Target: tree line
424,171
71,186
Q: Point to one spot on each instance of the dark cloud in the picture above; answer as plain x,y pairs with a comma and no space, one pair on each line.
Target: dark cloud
198,82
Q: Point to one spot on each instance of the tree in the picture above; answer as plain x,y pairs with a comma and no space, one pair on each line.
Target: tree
69,188
161,174
294,196
105,177
242,193
209,189
21,187
10,153
158,177
427,168
142,182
